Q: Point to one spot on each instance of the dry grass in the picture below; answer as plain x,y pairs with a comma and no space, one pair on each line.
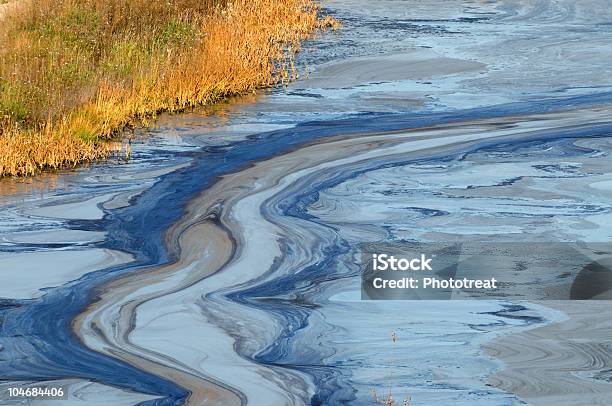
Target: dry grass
74,73
385,398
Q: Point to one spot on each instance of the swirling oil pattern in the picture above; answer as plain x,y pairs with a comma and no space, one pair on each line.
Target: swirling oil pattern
218,265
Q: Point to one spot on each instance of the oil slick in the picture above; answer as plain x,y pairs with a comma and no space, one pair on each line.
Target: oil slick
242,283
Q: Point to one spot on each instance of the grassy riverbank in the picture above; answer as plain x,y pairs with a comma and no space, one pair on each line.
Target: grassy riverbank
75,73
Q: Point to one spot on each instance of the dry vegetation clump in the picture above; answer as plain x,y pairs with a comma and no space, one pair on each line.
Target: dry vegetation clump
385,398
74,73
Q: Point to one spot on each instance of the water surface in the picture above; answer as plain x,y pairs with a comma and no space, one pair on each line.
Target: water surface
221,260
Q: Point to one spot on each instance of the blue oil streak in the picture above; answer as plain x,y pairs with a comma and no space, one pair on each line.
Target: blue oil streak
36,334
328,378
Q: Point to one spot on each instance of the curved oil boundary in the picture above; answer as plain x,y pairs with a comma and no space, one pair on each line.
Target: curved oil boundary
41,328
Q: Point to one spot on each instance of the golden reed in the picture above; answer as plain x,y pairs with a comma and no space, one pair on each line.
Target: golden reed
75,73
